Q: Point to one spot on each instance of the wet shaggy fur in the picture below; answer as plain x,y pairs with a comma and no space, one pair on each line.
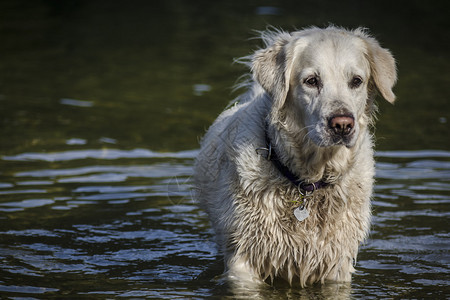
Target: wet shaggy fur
250,203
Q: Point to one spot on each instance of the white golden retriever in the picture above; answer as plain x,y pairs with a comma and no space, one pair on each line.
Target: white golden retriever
286,174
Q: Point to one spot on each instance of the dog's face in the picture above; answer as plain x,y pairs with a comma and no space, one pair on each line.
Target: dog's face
324,80
329,86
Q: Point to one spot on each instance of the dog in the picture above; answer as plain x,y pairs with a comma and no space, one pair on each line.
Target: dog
286,172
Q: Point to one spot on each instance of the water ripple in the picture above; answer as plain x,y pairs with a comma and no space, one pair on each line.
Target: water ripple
149,171
413,154
103,154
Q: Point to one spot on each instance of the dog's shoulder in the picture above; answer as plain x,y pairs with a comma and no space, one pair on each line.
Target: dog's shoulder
238,124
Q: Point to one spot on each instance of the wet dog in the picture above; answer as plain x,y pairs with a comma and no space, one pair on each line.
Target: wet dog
286,173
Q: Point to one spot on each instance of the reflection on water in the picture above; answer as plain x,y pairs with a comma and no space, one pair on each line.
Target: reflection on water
125,219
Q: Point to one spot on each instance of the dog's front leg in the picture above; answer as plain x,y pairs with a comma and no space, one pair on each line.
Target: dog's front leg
342,272
240,272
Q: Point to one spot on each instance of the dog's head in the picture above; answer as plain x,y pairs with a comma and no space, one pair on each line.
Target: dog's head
323,81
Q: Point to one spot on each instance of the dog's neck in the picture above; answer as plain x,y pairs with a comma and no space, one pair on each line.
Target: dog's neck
306,160
304,186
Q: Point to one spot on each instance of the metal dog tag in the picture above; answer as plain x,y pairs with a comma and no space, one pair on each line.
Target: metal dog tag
301,214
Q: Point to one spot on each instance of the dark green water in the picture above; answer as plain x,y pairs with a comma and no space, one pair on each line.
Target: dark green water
102,104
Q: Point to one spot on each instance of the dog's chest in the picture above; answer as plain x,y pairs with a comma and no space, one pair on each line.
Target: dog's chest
288,212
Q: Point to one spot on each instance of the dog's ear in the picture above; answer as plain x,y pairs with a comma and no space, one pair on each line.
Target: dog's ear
271,66
383,68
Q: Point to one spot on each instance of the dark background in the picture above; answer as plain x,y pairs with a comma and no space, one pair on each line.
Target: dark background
138,62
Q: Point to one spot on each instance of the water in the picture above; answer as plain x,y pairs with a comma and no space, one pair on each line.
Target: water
125,224
101,108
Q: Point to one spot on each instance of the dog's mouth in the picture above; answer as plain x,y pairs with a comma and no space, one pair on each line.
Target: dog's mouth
333,140
346,141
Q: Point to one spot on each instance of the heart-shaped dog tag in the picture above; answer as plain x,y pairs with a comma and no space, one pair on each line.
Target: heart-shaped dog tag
301,214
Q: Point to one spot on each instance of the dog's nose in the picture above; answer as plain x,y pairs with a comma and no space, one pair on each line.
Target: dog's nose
342,125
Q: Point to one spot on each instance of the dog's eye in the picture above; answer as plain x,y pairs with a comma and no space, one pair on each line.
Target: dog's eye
355,82
312,81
